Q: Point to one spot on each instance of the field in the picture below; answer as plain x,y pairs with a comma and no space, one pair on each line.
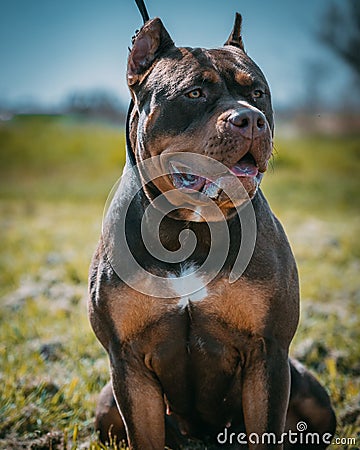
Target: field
55,174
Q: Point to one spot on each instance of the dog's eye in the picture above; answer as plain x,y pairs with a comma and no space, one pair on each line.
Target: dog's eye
258,93
196,93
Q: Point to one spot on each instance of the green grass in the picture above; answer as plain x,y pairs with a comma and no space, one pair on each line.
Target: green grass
55,174
58,159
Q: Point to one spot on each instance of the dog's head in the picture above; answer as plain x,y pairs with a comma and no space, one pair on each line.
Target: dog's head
195,106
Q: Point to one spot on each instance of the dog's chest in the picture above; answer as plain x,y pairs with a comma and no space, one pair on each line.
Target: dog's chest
195,301
243,305
188,285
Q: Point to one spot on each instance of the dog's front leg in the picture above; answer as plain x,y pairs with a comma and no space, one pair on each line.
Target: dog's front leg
140,401
265,400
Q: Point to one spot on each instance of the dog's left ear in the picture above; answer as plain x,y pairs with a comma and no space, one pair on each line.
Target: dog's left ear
149,43
235,38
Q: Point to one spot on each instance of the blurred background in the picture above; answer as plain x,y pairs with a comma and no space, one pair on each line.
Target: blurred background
63,101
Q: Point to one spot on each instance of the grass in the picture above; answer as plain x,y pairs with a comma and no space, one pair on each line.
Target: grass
58,159
55,174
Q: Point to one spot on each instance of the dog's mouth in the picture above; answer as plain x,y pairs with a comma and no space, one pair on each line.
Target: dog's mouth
246,167
245,170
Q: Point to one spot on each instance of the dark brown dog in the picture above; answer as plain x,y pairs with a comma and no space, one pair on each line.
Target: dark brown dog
212,364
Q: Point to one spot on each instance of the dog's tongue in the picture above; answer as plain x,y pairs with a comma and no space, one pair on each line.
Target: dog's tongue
245,167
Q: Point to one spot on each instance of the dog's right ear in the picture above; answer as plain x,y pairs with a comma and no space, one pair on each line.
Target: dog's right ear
148,44
235,38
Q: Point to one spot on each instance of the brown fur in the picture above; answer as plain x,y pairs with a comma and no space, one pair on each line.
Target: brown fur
189,367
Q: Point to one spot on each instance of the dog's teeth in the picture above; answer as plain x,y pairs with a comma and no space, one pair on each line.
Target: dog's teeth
212,190
185,179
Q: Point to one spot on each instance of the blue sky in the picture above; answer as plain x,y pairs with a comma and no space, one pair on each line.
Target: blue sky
50,48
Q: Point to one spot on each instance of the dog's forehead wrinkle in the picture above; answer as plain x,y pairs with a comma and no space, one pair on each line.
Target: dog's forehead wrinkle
169,83
190,57
232,59
186,67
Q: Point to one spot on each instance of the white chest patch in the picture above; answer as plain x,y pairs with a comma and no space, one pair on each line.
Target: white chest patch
188,286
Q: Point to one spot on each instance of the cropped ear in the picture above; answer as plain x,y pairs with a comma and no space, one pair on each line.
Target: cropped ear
149,43
235,38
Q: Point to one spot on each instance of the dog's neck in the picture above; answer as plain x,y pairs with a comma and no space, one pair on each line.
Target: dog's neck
170,229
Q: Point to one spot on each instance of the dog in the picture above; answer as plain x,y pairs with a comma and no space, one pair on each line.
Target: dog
211,364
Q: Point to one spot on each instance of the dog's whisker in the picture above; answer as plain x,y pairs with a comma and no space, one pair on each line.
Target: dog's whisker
272,163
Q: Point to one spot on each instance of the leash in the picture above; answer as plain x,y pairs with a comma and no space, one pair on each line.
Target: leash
131,155
143,11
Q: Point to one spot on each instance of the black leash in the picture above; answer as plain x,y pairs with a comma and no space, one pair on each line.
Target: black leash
130,153
143,11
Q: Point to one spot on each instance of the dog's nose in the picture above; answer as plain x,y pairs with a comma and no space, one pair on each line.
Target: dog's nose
248,122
